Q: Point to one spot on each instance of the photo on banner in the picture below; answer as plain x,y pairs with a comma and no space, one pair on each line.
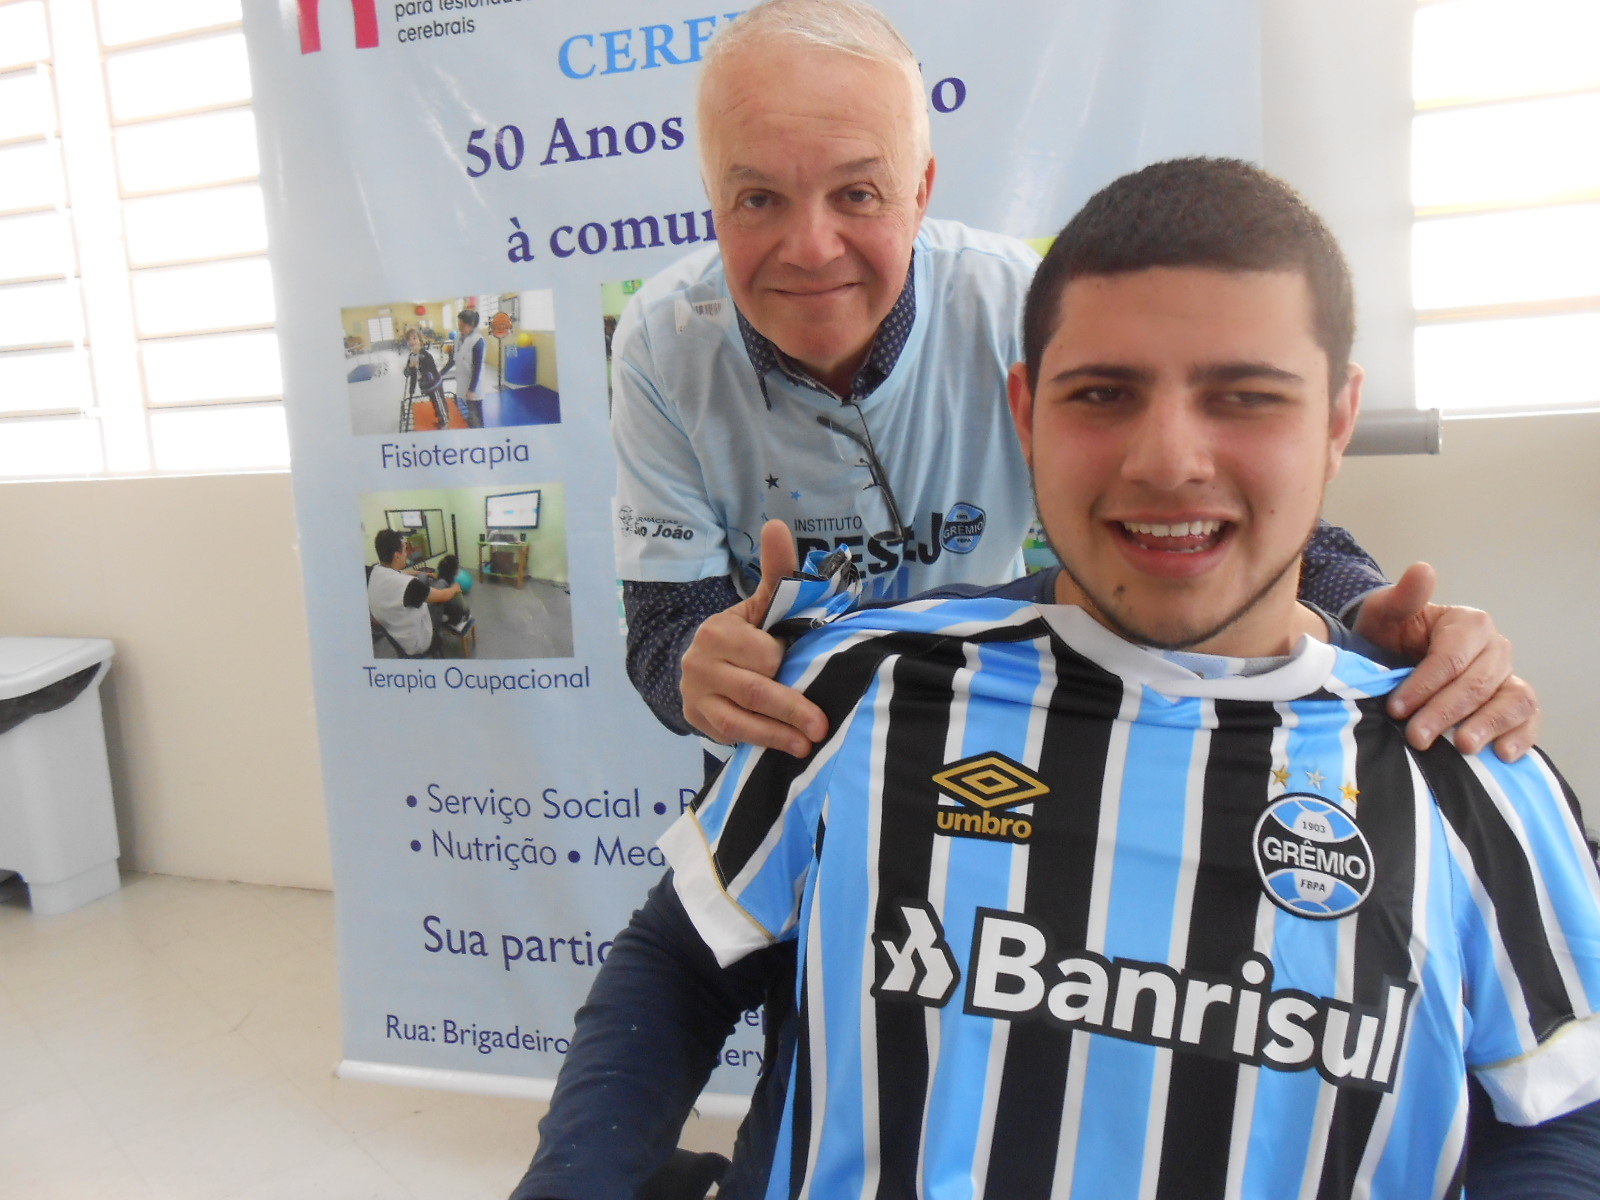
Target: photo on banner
410,365
506,547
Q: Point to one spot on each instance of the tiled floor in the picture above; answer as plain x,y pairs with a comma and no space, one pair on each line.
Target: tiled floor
176,1041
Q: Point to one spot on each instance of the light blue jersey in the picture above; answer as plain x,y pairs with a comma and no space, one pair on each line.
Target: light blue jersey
704,460
1077,922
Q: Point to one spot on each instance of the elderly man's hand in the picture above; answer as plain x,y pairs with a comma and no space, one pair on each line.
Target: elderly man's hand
1464,677
728,689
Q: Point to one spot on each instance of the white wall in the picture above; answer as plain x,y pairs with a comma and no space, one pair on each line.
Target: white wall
1336,123
209,716
1508,514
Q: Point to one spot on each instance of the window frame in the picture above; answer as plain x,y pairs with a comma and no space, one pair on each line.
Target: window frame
1504,311
102,270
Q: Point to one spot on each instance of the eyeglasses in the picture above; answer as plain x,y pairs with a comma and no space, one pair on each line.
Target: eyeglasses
898,530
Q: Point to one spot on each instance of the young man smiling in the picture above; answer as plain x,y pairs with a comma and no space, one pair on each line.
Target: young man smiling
1182,423
1119,881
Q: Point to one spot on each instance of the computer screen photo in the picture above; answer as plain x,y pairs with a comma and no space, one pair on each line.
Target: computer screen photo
512,510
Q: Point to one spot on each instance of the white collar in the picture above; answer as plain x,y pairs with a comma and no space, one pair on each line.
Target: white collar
1309,667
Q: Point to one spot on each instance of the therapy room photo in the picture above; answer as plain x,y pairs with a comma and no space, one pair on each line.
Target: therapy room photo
469,362
468,572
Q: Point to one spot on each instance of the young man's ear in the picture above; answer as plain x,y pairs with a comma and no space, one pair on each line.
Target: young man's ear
1346,407
1020,396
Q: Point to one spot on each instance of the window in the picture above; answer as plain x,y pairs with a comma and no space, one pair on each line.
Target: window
136,305
1506,184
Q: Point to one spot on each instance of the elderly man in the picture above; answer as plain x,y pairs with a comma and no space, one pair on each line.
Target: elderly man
1119,880
837,361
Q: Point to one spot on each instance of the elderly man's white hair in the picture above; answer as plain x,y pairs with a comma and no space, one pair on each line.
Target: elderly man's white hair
848,26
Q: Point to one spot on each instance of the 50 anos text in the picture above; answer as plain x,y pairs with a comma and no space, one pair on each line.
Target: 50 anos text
508,148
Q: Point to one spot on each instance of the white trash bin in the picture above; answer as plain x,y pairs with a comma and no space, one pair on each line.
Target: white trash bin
57,826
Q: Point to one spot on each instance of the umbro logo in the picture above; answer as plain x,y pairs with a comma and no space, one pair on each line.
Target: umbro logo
918,966
983,787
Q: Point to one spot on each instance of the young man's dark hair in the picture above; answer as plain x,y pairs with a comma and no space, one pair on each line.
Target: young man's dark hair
468,317
387,544
1198,212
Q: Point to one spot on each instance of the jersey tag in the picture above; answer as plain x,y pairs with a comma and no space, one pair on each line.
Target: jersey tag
827,586
684,311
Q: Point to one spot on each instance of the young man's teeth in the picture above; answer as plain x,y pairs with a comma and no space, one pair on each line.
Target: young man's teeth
1182,529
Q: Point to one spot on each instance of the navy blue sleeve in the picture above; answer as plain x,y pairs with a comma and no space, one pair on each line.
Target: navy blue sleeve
643,1045
477,364
662,619
1557,1160
1336,573
1342,636
1038,588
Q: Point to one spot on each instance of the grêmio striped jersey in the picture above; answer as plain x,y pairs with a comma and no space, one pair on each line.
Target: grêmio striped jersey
1076,922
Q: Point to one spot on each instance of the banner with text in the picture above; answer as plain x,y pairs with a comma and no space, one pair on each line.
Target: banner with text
494,811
